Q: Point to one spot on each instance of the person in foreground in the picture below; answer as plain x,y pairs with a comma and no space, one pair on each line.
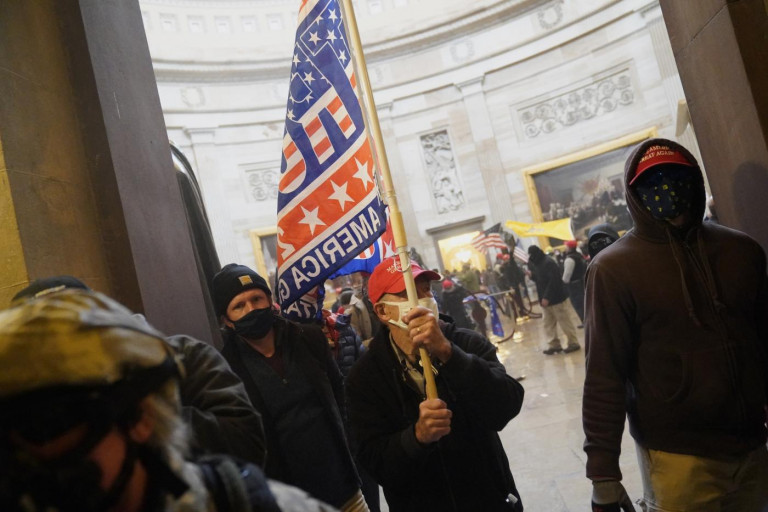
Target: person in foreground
294,383
91,419
214,403
676,340
441,454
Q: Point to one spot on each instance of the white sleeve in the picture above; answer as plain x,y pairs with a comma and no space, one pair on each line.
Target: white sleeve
568,265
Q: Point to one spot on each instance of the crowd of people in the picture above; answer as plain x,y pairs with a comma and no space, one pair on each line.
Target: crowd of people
101,412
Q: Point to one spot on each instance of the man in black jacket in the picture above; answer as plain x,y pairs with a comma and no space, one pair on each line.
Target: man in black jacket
553,298
293,381
440,454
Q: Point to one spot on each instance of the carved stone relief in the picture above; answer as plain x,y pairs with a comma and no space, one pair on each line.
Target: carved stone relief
551,15
262,184
463,51
193,97
598,98
441,172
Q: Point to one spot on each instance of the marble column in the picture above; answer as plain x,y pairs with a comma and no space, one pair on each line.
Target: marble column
87,185
486,150
673,88
720,47
215,192
399,177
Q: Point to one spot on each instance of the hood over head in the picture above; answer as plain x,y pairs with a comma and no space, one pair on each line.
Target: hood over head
646,226
536,254
599,237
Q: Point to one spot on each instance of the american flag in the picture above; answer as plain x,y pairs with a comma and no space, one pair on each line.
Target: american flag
490,238
520,253
328,208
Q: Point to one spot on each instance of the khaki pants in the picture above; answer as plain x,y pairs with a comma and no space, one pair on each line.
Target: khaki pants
559,314
674,482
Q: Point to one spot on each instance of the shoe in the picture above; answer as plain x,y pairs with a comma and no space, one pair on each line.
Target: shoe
552,350
571,348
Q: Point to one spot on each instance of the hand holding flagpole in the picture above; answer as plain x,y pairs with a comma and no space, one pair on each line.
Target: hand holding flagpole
396,217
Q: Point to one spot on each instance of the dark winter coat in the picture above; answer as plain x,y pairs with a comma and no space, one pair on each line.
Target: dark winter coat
453,306
215,404
675,337
548,277
465,470
348,347
313,358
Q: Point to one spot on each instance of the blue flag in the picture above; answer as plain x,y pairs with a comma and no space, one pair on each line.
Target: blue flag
328,208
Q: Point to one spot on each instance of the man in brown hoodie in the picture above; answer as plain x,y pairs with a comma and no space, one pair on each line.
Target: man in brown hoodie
676,338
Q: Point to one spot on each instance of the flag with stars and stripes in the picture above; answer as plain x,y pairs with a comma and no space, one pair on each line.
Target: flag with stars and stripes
329,209
367,260
490,238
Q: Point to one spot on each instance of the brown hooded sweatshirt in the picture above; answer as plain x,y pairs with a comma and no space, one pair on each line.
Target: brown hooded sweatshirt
676,338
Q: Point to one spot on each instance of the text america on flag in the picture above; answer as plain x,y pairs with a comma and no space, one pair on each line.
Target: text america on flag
329,208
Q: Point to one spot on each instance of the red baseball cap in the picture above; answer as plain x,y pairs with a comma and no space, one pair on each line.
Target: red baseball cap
656,155
387,277
571,244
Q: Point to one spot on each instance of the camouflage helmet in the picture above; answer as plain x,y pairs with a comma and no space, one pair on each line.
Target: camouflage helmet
79,339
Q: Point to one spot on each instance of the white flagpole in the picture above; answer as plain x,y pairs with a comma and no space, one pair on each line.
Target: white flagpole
395,215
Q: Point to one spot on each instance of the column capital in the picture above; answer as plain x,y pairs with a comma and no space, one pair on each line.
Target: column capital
472,86
198,136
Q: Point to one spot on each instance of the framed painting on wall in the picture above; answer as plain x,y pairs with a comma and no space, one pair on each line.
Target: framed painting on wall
264,243
587,186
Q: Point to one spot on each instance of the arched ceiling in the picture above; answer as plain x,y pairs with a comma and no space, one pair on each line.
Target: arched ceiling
233,33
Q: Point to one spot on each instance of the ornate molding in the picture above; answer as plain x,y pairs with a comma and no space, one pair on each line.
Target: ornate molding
262,184
580,104
463,51
250,70
193,97
443,176
550,16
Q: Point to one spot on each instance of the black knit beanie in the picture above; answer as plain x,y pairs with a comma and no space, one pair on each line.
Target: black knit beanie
232,280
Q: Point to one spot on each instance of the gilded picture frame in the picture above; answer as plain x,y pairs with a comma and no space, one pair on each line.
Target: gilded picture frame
586,185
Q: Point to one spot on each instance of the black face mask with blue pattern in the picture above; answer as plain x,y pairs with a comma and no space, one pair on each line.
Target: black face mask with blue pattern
666,191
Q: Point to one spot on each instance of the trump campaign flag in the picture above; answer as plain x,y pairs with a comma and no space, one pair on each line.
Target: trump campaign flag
367,260
329,209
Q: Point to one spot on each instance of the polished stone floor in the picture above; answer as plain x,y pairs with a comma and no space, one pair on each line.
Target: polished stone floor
544,443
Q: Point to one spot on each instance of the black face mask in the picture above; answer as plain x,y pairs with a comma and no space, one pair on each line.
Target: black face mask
599,242
256,324
666,192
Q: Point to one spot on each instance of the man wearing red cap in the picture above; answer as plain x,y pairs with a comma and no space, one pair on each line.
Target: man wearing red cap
440,454
676,340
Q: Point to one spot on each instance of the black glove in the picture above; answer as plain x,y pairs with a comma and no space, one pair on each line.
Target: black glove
610,496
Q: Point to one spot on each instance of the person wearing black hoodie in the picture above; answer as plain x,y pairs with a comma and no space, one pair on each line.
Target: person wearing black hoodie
676,339
553,299
599,237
